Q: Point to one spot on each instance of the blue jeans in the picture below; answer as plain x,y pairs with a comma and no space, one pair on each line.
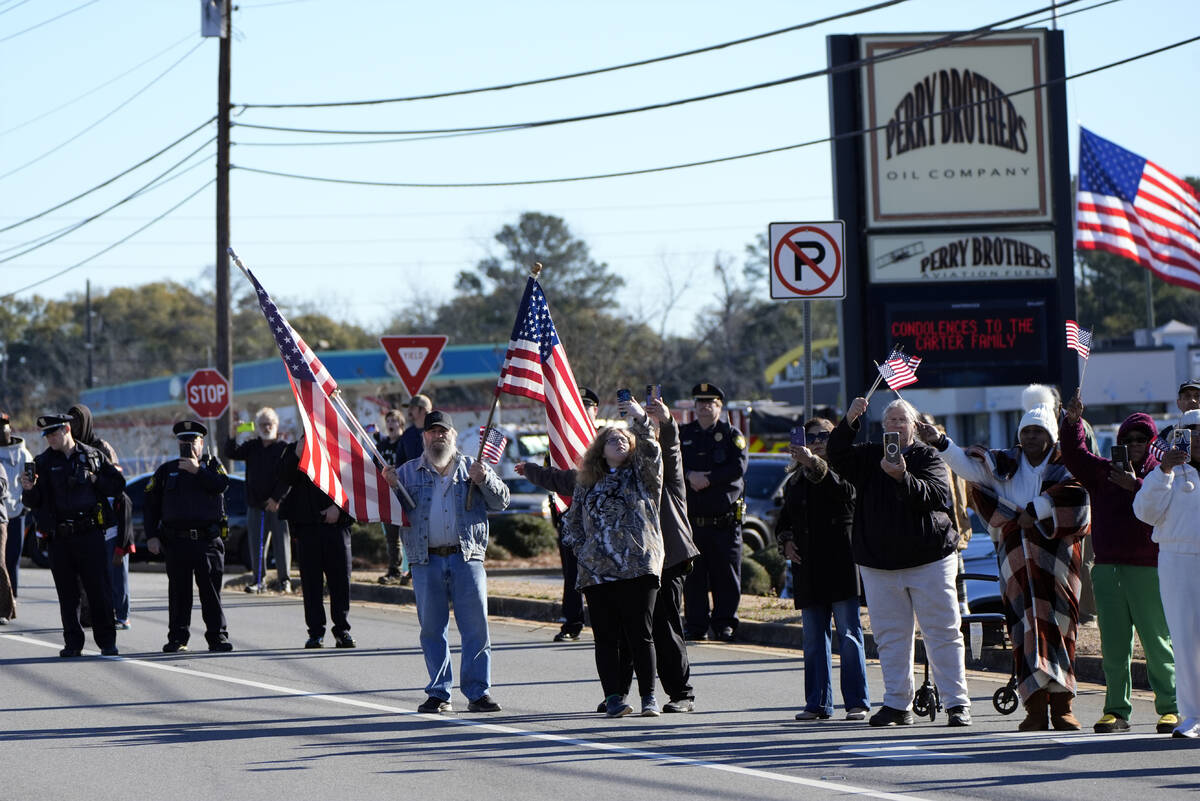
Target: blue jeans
818,661
437,584
120,580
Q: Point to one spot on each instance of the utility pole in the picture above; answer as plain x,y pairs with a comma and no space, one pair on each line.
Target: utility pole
89,346
224,339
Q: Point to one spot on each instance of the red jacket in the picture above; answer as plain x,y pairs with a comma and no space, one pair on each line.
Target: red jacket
1118,537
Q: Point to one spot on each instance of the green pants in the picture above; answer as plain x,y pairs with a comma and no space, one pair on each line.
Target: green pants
1127,598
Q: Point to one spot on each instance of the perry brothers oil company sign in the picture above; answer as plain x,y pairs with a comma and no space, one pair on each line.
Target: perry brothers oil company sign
949,142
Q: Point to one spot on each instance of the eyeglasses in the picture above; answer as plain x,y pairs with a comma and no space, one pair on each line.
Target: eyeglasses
817,436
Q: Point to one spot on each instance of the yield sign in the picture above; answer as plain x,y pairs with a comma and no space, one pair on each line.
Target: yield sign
413,357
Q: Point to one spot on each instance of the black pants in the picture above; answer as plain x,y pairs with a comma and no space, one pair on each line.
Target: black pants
670,652
572,599
203,559
82,559
623,609
718,570
324,557
395,557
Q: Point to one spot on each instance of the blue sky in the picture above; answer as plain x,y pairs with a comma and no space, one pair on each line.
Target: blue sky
363,252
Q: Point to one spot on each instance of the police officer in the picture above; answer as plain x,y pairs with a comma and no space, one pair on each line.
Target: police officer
69,493
322,530
185,518
714,463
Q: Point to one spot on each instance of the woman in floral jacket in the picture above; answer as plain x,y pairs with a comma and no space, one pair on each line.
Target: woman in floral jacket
613,528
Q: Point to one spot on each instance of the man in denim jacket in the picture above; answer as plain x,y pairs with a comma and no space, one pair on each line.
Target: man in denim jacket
445,542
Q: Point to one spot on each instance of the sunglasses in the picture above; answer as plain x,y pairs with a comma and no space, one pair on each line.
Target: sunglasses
820,436
1134,440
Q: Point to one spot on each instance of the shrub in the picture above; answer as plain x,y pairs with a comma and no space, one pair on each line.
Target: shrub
497,552
367,543
773,561
524,535
755,579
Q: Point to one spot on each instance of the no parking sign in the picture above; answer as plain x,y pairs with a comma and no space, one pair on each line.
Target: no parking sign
807,260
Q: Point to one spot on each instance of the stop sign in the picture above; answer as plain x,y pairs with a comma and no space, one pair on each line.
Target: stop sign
207,393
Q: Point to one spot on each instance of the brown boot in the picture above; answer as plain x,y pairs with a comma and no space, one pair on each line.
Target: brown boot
1036,716
1060,712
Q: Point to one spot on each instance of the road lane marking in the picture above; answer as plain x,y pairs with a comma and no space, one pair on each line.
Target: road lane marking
591,745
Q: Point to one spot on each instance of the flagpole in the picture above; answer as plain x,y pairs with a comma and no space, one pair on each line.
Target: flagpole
534,272
878,378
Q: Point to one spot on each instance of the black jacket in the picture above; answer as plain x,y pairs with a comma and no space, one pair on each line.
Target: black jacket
260,458
897,524
818,518
75,489
175,498
300,502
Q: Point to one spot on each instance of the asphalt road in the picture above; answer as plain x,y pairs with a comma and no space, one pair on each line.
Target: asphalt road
273,721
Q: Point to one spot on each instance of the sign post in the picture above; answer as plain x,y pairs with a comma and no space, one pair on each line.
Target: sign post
807,262
207,393
414,357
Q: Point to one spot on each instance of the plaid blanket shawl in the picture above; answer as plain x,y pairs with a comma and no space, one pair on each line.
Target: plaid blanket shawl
1039,569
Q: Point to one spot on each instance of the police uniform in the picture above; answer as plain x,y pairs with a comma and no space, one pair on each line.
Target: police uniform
70,499
716,526
324,550
186,512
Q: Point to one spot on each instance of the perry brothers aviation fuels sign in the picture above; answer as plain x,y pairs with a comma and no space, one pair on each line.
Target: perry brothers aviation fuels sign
950,143
969,256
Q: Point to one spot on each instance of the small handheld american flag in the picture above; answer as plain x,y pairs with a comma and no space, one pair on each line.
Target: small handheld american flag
494,444
899,370
1079,339
1159,447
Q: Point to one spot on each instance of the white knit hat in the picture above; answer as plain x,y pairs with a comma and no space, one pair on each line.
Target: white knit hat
1043,416
1190,418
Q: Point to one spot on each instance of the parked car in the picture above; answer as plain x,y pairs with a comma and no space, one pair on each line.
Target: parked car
525,498
237,545
765,476
980,557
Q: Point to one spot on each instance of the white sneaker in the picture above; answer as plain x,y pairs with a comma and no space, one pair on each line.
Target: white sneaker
857,713
804,714
1189,728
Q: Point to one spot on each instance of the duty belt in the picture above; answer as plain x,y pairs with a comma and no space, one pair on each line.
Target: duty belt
727,519
201,533
70,527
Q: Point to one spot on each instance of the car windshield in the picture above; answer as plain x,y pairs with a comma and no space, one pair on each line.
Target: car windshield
764,476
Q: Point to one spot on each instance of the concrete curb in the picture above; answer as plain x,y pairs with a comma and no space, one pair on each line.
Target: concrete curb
994,658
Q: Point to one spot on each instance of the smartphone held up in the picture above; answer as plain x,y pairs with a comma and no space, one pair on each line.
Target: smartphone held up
891,446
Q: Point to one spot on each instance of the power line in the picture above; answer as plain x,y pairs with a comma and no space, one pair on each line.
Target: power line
768,151
11,8
120,106
110,180
642,63
933,44
47,22
119,242
150,185
96,88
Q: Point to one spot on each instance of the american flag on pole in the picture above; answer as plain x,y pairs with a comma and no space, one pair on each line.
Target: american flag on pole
899,370
333,457
1079,339
494,444
1130,206
536,367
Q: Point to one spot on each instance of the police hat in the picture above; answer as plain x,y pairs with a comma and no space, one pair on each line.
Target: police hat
189,428
435,419
1193,384
50,422
589,398
708,392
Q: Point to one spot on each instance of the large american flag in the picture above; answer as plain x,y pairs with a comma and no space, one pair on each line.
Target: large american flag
899,370
1133,208
1079,339
333,457
536,367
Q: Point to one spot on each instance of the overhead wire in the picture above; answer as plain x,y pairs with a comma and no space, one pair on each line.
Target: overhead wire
900,52
109,114
100,253
48,21
97,87
754,154
13,7
150,185
103,184
585,73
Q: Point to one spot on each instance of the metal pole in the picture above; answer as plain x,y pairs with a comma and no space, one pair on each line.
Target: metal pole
224,338
808,387
87,307
1149,300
